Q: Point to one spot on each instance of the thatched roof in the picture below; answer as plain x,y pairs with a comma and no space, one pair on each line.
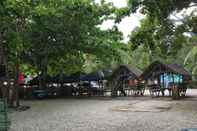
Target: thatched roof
136,71
131,71
179,69
158,67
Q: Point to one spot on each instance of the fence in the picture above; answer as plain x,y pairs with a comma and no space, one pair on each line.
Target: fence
4,121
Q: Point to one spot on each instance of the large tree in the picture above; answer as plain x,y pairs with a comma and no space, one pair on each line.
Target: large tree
52,36
160,35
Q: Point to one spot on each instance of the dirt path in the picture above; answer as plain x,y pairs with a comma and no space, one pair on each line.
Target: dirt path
120,114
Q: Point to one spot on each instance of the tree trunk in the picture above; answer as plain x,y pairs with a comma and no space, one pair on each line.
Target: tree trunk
17,96
42,79
17,86
1,62
4,63
11,100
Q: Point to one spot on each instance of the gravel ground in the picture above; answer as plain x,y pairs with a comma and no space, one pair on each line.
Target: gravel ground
107,114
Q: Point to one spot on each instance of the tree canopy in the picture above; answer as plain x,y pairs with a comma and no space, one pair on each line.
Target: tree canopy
54,36
50,32
162,37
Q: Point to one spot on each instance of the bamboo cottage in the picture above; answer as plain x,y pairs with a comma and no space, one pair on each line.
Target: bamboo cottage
160,77
122,78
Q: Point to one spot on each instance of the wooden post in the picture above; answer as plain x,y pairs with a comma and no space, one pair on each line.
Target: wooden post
175,90
162,90
16,93
173,77
163,77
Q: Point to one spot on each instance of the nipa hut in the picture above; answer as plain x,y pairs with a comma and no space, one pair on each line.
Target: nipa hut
165,75
121,76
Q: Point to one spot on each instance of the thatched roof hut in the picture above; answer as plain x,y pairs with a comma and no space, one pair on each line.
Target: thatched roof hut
121,76
126,71
165,75
157,68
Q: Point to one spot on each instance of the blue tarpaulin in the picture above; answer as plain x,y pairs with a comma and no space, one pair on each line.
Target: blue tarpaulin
76,77
93,76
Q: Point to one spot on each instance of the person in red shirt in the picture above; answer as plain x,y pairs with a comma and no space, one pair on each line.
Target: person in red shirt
21,79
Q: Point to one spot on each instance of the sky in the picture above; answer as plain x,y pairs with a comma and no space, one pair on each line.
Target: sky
178,16
127,24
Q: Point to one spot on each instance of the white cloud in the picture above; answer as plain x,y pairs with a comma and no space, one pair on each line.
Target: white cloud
178,17
127,24
108,24
131,22
118,3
